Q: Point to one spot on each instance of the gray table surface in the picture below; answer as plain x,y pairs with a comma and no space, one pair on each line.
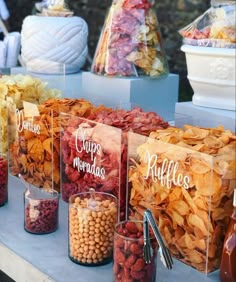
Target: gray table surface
34,258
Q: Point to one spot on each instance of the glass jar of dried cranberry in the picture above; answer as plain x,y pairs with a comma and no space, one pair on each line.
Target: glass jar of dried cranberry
129,263
3,179
40,210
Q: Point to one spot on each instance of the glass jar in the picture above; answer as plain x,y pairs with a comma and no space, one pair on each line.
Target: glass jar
129,263
40,210
92,217
130,44
228,257
3,179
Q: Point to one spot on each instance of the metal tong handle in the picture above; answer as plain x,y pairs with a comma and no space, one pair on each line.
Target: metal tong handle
147,248
164,251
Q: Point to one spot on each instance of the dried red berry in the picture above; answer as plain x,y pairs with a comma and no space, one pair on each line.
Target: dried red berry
130,261
136,249
119,257
138,275
139,265
131,227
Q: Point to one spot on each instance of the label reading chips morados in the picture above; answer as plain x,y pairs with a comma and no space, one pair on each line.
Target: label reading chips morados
91,156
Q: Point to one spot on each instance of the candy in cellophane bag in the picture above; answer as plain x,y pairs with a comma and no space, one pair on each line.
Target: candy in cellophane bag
214,28
130,43
53,8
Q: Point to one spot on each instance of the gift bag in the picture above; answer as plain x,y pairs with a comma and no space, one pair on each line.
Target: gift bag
214,28
130,43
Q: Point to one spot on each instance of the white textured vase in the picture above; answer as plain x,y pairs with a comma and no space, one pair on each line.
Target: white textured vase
211,73
54,44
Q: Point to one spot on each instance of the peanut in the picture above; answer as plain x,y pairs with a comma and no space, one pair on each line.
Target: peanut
91,230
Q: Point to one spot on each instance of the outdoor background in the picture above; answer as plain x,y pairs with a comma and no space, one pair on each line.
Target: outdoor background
172,16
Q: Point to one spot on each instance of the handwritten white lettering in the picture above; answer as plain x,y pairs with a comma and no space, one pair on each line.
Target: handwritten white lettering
89,168
82,144
23,124
87,145
167,173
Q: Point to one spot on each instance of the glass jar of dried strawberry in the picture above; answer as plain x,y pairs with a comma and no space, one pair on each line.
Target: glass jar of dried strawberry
92,218
40,210
3,179
129,263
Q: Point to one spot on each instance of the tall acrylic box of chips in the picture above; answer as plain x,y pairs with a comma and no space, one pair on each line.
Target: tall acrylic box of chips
3,126
130,43
33,152
3,153
90,158
189,192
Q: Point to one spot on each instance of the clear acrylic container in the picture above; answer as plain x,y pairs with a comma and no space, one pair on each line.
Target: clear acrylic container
40,210
3,179
92,218
129,263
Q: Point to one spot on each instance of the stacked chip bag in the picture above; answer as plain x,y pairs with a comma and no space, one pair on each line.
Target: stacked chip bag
214,28
130,43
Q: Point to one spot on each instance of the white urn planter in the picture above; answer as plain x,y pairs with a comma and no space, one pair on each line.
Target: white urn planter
211,73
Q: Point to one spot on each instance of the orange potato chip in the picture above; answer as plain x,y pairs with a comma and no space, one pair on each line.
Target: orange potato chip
196,257
196,133
35,149
175,194
199,166
176,218
207,184
200,202
218,214
189,200
47,145
179,206
213,142
230,171
197,222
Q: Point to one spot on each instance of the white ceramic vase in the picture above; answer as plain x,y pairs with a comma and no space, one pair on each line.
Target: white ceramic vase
54,44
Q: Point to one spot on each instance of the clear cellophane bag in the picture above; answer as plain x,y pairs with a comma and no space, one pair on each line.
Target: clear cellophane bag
130,43
214,28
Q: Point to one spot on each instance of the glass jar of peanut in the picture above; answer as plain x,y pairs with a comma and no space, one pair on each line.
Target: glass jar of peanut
92,217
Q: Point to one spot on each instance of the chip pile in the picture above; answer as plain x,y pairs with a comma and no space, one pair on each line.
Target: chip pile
135,120
193,220
17,88
37,156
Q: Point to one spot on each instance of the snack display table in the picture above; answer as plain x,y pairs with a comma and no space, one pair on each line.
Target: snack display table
28,257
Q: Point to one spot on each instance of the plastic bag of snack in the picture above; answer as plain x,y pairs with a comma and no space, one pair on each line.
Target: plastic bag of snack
53,8
130,43
214,28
